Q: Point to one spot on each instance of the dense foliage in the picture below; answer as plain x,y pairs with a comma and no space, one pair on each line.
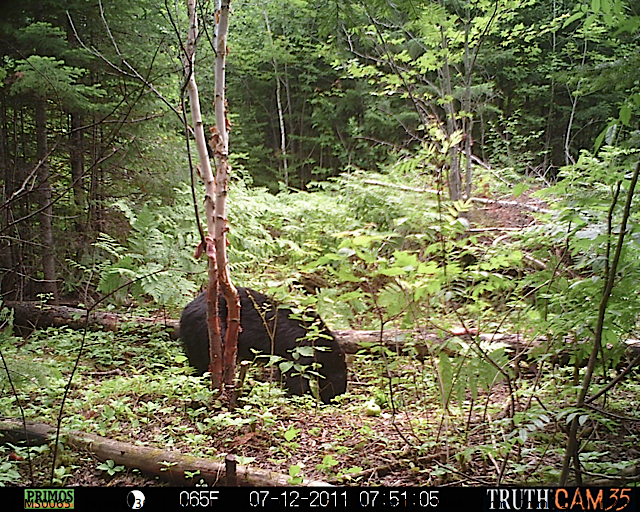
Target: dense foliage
365,135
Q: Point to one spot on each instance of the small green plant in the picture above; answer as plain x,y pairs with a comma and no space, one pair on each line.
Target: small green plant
61,474
8,473
327,464
291,433
111,468
295,475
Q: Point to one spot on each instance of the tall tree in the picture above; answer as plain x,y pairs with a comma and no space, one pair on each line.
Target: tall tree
42,79
46,206
427,54
98,143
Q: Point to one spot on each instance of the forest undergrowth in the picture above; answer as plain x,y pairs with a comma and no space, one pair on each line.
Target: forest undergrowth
465,407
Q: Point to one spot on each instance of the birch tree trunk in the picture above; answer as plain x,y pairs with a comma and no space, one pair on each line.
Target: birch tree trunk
283,137
220,146
467,121
222,354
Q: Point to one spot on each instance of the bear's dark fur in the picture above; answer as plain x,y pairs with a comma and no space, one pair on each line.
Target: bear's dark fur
286,334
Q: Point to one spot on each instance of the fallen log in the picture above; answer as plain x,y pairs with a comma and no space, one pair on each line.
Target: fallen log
31,315
34,315
169,466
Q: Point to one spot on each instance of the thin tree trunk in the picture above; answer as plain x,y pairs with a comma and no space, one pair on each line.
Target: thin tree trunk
568,159
46,217
76,161
94,190
283,136
7,278
223,169
222,353
454,177
13,280
76,155
547,141
467,120
213,319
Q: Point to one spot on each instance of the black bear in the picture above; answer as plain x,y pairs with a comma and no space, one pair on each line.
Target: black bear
268,329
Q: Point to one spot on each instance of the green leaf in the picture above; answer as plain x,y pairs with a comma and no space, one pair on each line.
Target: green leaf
572,18
394,271
305,351
345,252
328,460
446,375
291,434
285,366
591,19
625,114
519,189
362,240
294,470
523,434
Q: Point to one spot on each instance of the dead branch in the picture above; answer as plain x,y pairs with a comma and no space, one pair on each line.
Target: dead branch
494,228
481,200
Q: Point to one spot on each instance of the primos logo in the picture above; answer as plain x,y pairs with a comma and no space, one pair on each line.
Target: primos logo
48,498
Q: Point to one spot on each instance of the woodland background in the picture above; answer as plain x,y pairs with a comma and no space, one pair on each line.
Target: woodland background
465,169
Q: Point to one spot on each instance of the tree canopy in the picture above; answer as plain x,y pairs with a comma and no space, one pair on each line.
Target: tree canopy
457,166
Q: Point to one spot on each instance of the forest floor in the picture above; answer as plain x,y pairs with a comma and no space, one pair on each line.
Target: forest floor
418,446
